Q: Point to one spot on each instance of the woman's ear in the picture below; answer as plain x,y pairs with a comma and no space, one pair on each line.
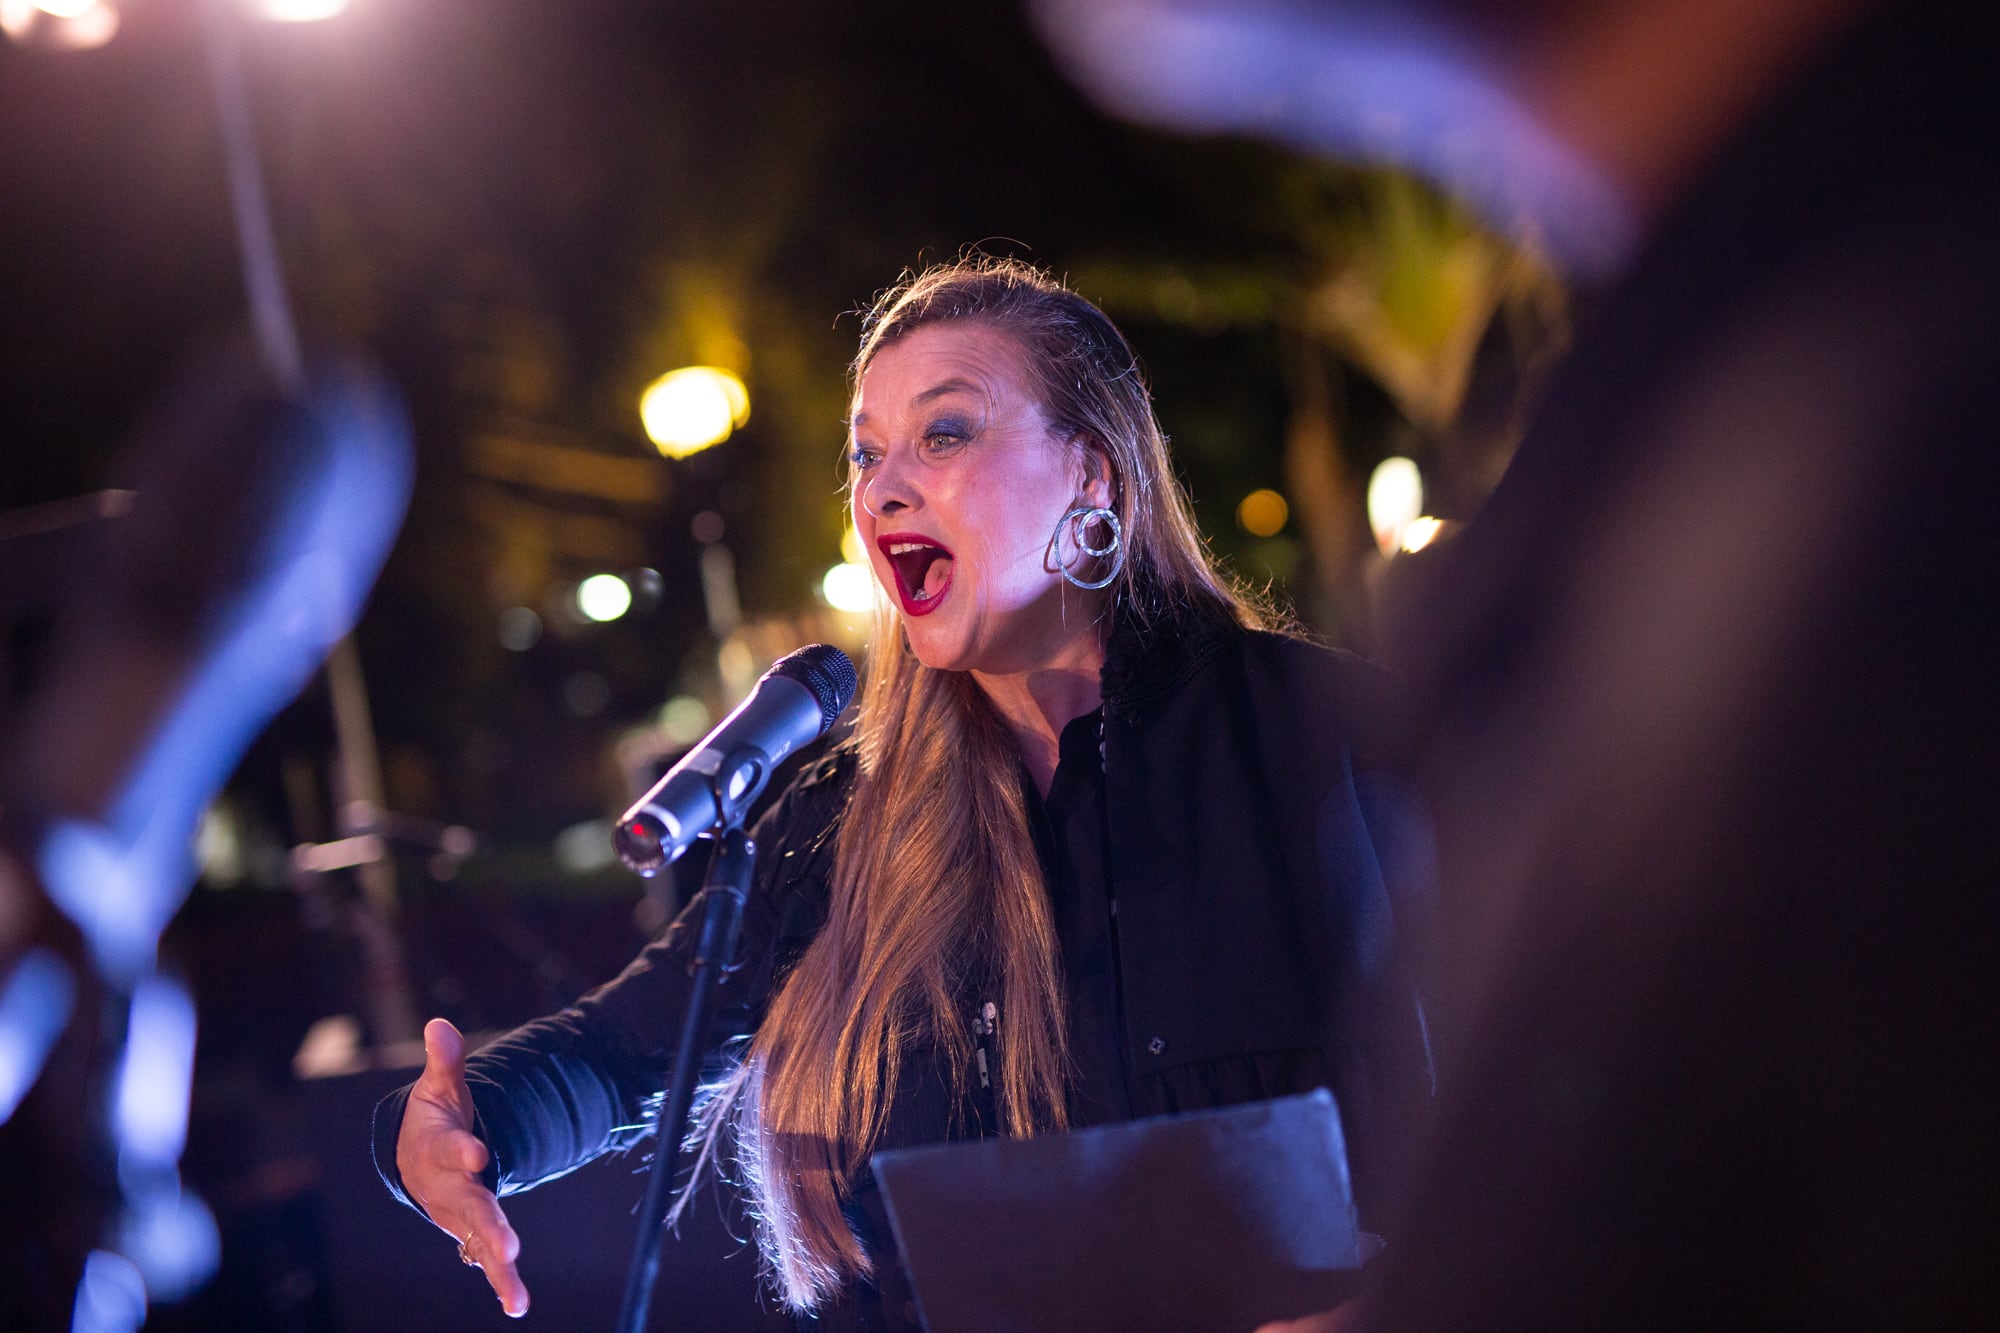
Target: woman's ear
1097,482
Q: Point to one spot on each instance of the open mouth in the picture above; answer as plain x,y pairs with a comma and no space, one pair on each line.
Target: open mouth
922,568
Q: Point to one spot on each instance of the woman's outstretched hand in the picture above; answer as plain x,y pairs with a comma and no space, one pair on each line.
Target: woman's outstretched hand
440,1159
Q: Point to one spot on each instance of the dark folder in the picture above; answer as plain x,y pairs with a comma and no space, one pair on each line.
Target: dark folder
1216,1220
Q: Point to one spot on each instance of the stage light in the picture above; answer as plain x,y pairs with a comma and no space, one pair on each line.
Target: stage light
67,25
849,588
851,548
1263,513
1395,499
603,597
301,11
687,410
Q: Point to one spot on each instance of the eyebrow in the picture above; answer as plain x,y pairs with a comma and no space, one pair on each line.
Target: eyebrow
942,389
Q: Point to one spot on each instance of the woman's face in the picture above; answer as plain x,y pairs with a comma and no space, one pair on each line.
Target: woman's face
958,481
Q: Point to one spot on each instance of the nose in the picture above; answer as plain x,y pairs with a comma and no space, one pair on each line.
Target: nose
886,489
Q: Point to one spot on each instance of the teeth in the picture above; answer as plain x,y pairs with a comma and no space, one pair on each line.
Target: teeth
904,548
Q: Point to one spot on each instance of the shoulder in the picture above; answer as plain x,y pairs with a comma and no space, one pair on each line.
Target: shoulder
1280,651
1272,660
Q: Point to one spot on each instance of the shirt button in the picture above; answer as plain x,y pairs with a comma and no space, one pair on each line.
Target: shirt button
1157,1045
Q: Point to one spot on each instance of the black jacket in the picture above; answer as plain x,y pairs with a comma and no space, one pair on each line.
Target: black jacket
1255,937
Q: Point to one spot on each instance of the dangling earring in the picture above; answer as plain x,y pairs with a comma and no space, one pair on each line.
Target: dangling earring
1078,521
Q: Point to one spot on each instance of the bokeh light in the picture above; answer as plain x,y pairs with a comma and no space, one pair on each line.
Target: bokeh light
520,629
218,847
849,587
687,410
1395,499
150,1100
603,597
585,847
1263,513
1421,533
851,549
684,719
301,11
68,25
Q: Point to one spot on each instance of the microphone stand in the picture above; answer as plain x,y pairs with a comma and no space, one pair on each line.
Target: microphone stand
725,888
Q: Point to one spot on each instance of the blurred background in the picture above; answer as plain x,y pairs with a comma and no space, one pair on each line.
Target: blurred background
609,252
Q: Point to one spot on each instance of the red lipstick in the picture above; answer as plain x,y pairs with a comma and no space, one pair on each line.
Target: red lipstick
923,570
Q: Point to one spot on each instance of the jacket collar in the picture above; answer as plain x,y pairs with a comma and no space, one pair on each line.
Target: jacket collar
1144,666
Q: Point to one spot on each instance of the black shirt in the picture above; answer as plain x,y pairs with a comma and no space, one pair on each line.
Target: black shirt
1068,826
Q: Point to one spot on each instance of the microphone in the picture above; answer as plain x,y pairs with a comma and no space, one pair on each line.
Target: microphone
792,704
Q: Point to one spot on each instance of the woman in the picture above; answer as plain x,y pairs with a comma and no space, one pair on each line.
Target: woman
1095,851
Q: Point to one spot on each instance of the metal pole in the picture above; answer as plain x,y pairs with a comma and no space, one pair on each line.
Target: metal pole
727,886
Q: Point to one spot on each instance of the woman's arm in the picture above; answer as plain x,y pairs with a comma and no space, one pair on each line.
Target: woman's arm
562,1090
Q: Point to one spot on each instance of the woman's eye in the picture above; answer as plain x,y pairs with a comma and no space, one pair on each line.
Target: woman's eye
943,441
862,458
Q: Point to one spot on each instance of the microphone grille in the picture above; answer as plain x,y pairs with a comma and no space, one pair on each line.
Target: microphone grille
826,671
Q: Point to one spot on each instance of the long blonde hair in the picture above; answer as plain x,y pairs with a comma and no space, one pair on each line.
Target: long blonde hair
936,884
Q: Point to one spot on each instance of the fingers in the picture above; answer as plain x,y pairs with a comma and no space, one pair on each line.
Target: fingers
444,1051
455,1150
440,1098
493,1246
449,1157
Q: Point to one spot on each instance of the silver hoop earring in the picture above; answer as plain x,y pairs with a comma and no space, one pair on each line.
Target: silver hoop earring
1078,521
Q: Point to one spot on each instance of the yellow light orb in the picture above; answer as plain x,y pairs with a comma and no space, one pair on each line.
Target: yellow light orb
851,548
687,410
1263,513
850,588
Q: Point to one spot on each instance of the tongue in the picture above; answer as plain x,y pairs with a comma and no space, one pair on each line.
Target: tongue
937,576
